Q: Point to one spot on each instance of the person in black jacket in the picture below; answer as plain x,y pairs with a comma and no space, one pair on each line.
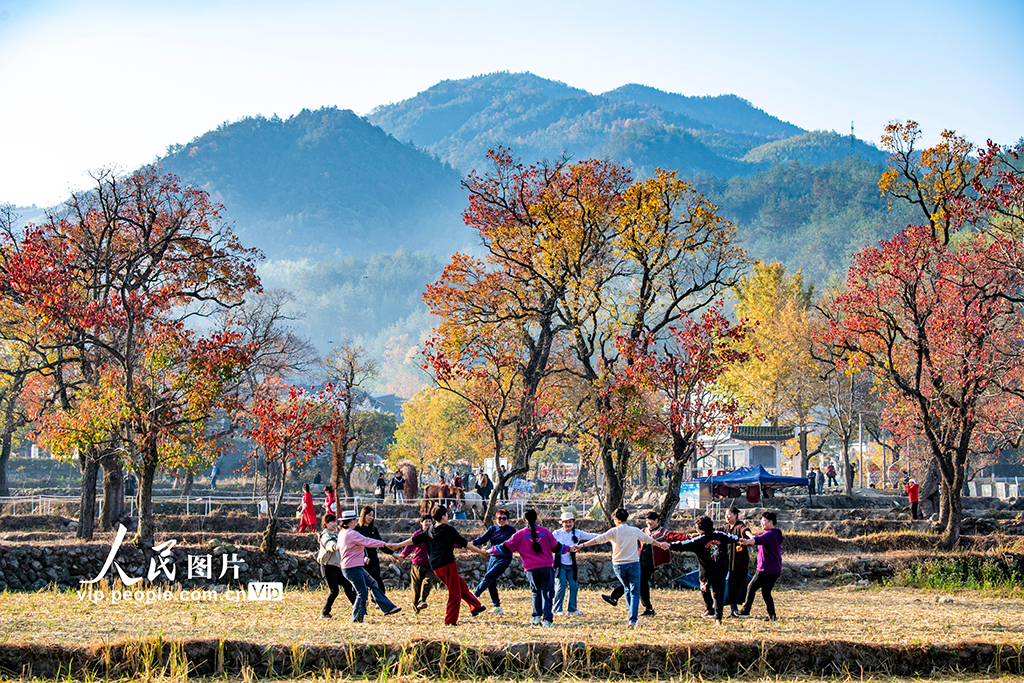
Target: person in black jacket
367,528
712,550
739,560
442,540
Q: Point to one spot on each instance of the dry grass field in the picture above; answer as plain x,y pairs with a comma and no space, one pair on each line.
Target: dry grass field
862,615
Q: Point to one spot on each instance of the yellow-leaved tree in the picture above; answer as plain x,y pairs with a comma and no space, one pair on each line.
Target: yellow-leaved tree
780,381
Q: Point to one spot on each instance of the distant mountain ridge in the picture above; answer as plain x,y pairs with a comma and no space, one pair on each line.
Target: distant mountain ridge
637,125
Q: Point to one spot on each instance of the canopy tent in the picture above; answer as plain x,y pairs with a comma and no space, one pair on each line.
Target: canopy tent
754,481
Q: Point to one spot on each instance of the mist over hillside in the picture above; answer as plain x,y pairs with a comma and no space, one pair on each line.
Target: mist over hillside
357,214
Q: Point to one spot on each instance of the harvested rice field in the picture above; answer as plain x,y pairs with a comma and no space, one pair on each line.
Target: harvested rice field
870,615
841,634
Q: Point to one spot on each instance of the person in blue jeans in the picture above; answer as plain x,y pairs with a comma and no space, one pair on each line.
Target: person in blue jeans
496,566
565,562
625,540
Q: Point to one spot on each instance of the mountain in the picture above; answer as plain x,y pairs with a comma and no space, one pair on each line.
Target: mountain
325,183
635,125
814,147
724,112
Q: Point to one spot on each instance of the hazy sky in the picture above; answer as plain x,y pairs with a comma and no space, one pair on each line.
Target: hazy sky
91,84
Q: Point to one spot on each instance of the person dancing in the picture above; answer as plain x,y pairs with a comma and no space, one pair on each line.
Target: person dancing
739,560
769,565
537,548
496,534
625,540
442,540
711,549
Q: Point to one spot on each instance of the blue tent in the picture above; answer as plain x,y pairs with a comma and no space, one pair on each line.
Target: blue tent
745,478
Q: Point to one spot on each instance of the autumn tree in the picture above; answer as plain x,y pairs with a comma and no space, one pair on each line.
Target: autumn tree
289,427
349,369
515,289
481,368
661,253
780,381
682,372
932,312
115,274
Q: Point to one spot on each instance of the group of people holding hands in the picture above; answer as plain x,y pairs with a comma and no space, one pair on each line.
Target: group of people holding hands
549,561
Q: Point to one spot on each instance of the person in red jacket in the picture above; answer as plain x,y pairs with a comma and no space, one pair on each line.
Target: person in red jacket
308,522
914,493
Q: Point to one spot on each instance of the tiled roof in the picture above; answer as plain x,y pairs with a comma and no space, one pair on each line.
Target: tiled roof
745,433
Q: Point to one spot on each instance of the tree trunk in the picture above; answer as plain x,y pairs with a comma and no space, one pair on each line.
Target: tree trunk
89,468
612,488
190,480
113,490
944,505
5,456
805,456
147,474
954,508
680,461
269,544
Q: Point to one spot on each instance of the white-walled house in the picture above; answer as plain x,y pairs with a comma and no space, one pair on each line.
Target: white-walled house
745,446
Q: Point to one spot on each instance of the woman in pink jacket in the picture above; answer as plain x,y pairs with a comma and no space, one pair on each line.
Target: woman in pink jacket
536,547
350,547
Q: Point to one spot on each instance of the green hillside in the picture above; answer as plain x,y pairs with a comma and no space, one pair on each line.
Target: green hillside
725,112
324,183
814,147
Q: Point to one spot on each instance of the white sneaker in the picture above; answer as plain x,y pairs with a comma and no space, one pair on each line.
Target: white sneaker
558,612
497,610
535,621
574,612
547,624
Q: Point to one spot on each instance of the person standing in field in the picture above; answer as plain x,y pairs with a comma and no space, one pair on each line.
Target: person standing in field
330,502
712,550
565,562
484,486
769,565
420,575
351,547
739,560
537,547
914,493
442,540
367,527
308,522
496,534
651,557
819,477
831,474
398,487
625,540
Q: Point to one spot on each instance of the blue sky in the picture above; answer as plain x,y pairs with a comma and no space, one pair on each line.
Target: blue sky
109,82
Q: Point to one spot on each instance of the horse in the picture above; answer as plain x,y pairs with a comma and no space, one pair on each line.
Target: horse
475,504
442,494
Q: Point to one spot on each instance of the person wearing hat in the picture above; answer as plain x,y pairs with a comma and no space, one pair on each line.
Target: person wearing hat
566,573
351,547
914,493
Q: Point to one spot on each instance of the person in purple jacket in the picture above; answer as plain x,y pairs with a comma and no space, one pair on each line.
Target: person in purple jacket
536,547
769,565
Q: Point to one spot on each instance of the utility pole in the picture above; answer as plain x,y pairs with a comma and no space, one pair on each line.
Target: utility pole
860,440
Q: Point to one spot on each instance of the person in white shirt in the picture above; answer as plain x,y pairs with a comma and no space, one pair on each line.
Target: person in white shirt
565,562
625,557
